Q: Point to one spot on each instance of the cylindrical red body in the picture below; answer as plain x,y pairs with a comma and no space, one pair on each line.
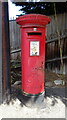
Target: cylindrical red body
33,36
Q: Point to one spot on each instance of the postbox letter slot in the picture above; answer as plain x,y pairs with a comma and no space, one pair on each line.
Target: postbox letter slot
34,33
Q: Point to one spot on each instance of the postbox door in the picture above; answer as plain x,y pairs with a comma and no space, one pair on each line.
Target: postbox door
33,59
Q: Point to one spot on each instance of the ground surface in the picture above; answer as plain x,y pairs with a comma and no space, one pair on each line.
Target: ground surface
54,105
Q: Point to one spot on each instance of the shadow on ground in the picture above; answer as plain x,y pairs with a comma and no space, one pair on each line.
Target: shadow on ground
57,92
52,93
29,101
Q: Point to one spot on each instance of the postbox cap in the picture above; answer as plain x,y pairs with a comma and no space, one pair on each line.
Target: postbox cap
33,20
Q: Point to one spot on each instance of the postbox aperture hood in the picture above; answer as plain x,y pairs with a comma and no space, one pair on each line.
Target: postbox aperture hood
33,20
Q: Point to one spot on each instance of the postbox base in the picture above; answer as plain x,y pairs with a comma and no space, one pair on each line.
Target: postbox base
33,100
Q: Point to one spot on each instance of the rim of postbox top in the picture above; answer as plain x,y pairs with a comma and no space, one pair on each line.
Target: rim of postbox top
33,20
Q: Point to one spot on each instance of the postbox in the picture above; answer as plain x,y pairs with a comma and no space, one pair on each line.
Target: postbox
33,36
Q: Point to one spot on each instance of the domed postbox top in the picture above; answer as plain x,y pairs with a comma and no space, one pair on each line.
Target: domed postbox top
33,20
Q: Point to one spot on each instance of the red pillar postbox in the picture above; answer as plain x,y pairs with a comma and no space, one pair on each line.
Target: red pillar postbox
33,36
